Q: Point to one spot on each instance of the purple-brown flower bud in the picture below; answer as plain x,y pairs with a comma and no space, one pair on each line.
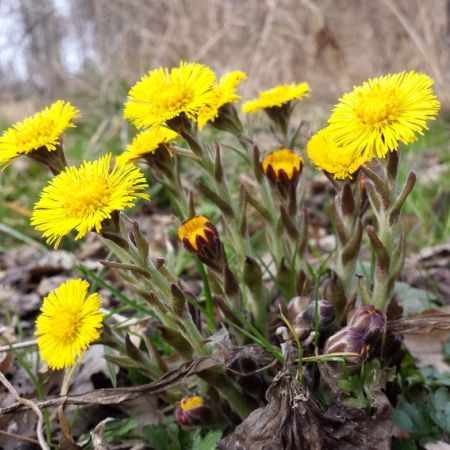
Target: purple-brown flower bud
297,306
325,310
347,340
369,320
192,410
201,237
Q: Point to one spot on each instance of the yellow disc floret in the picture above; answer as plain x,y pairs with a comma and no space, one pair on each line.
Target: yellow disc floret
191,402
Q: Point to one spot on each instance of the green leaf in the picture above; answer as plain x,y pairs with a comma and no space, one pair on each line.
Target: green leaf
162,437
441,412
413,300
209,442
447,348
413,418
398,444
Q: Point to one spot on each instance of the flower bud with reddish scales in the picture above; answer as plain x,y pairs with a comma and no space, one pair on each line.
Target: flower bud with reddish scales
348,340
201,237
192,410
369,320
283,168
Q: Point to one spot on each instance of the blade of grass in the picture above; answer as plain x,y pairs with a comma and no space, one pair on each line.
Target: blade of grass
21,237
208,298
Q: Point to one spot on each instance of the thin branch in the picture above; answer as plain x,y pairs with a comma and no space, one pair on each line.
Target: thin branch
29,404
18,345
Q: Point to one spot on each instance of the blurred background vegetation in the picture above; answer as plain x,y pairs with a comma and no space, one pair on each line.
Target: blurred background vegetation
91,51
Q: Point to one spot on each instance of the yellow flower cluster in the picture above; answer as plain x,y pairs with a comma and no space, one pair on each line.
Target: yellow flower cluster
368,122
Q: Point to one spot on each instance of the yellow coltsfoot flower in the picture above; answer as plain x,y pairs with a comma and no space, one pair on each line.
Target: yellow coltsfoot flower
146,143
340,161
376,116
165,94
40,132
223,94
81,198
277,97
69,322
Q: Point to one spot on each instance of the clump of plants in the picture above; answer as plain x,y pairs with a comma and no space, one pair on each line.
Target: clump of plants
279,346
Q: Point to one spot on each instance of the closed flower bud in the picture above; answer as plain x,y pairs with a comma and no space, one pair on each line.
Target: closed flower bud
369,320
303,328
283,168
347,340
201,237
297,306
325,310
192,410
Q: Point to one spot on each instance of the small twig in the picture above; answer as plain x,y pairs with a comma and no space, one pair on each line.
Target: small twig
19,437
30,404
17,345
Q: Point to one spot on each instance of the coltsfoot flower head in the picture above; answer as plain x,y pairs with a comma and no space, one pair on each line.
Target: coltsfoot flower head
340,161
193,410
42,131
81,198
164,94
282,166
69,322
146,143
376,116
277,97
222,94
201,237
369,320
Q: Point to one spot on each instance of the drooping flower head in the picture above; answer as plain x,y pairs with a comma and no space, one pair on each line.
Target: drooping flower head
376,116
41,131
146,143
223,93
81,198
277,97
282,164
69,322
164,94
325,154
